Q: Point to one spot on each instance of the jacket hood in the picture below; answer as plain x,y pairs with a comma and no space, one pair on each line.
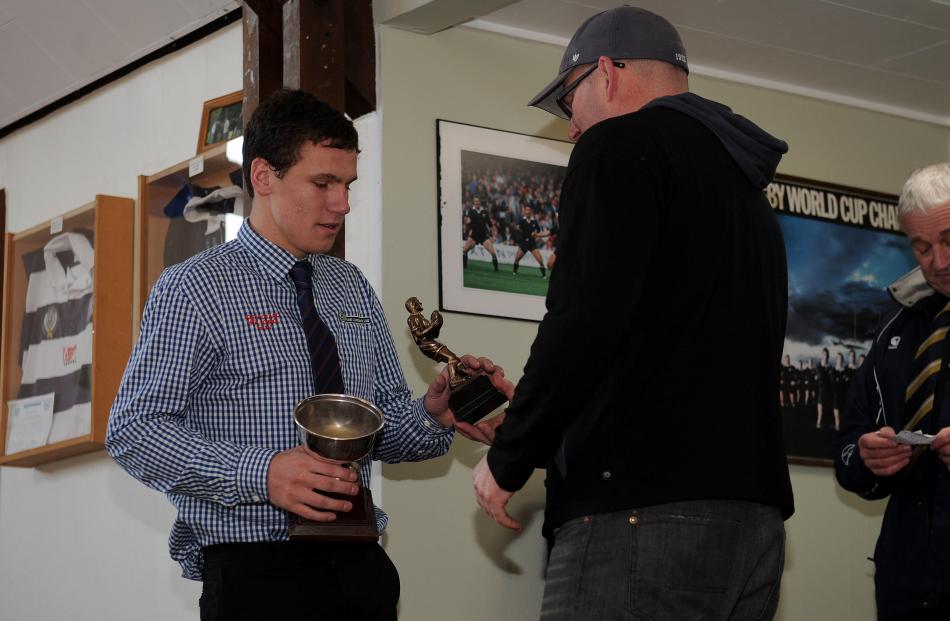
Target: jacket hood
755,151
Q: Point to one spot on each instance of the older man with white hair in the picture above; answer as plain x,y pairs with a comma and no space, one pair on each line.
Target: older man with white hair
895,433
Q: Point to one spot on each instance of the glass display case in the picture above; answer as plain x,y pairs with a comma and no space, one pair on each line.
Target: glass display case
187,208
67,331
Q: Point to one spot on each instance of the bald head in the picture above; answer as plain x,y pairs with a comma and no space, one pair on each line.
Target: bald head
618,87
650,79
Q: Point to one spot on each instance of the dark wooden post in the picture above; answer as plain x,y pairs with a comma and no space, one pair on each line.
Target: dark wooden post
325,47
359,57
313,49
263,51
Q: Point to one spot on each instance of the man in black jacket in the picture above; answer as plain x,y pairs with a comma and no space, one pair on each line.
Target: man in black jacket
667,481
902,386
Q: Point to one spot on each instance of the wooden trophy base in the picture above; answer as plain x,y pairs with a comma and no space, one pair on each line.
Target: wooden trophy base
356,525
475,399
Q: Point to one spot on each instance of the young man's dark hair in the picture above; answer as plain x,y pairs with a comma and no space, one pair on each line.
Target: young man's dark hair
285,120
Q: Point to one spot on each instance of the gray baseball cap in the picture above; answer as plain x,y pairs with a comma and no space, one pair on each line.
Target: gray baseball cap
618,33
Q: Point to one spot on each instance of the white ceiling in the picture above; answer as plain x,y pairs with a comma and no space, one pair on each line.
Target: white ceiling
50,48
887,55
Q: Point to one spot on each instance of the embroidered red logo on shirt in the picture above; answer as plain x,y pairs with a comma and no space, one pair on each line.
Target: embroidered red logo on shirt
69,355
262,322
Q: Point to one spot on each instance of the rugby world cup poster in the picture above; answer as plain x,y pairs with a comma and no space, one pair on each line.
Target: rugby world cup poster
844,248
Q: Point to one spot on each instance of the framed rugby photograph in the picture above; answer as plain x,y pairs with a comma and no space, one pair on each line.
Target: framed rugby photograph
499,194
844,248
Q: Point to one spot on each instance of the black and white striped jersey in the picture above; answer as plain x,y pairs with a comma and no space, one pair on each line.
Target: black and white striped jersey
56,338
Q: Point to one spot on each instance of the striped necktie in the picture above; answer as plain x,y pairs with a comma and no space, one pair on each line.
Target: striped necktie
324,358
922,389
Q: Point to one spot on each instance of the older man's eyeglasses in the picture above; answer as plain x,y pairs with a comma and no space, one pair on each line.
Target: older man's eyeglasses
566,97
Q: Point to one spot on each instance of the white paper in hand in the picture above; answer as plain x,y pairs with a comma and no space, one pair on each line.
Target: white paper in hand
914,437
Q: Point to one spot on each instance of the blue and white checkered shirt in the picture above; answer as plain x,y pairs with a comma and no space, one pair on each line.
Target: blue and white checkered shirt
207,398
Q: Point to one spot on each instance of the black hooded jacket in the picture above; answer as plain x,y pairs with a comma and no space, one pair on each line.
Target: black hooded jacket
654,376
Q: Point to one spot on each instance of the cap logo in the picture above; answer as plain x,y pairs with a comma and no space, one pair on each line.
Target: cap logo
575,57
681,57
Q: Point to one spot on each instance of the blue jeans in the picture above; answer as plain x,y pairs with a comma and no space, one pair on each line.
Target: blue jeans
708,559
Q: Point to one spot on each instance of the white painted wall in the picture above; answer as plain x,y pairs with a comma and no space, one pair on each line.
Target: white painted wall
80,539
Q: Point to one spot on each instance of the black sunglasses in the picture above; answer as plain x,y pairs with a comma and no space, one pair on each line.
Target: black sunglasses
566,106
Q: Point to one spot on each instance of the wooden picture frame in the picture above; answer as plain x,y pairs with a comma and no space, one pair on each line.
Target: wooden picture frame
221,120
159,226
3,255
98,370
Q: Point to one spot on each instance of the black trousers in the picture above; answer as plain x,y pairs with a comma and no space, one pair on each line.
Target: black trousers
274,580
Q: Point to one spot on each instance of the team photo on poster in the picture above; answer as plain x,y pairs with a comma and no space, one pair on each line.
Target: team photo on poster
844,248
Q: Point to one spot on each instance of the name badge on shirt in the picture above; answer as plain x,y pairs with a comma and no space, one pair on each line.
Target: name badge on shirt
353,318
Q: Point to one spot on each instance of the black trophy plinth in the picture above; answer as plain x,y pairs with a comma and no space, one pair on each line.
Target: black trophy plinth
475,399
358,524
339,429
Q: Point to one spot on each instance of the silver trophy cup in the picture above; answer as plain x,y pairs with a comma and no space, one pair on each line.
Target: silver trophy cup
339,429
